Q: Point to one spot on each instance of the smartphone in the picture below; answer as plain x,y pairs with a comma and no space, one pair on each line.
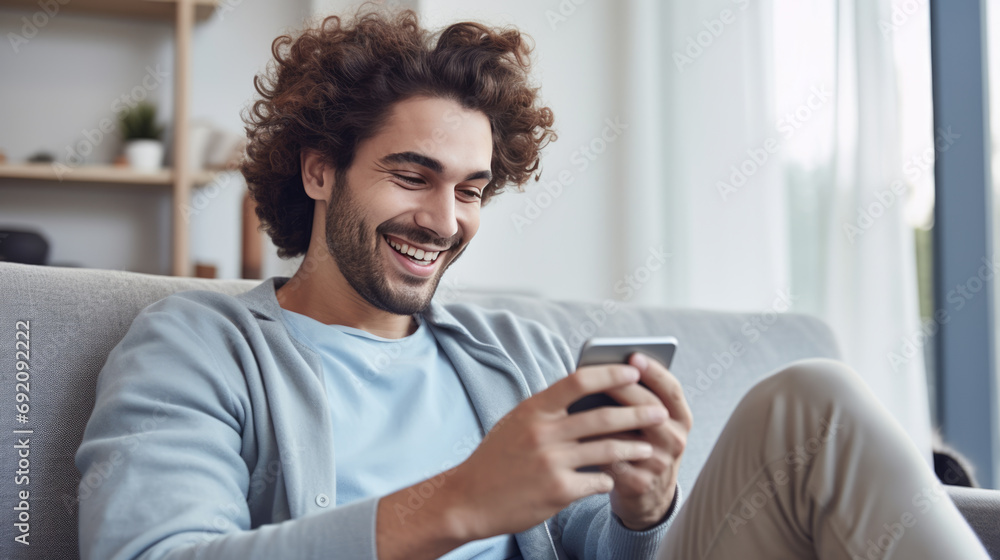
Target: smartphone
598,351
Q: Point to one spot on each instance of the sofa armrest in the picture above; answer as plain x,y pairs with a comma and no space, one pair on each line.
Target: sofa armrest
981,508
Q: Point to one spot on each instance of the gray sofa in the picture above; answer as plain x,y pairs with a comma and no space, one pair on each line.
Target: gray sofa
75,317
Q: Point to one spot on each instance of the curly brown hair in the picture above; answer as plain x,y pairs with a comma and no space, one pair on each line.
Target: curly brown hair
334,85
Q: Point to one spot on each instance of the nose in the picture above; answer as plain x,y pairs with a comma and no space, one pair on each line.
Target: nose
437,212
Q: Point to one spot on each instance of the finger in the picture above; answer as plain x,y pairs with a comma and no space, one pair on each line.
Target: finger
608,452
586,484
610,420
630,480
666,433
672,437
634,395
665,385
586,381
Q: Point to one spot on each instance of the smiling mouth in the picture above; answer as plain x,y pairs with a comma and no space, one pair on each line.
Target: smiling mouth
419,256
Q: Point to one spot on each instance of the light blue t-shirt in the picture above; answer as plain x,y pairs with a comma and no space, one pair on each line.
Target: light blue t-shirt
400,415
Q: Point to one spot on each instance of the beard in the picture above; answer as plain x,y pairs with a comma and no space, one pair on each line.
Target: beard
356,248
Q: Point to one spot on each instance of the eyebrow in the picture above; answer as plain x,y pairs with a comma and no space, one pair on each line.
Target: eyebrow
432,164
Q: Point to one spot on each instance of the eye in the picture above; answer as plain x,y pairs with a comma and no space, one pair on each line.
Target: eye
416,181
471,195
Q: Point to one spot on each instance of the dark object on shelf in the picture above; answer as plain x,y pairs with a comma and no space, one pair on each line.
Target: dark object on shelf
950,466
203,270
25,247
41,157
954,469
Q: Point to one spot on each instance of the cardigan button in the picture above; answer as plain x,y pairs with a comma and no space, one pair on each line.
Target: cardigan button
322,500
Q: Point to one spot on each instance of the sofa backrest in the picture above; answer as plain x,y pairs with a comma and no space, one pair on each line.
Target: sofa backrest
66,321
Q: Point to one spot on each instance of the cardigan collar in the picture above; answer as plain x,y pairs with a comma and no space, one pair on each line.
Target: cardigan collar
262,301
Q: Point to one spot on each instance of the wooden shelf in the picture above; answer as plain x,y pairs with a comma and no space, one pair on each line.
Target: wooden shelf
182,14
163,10
96,174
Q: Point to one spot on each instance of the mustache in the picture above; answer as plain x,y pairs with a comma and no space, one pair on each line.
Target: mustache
420,236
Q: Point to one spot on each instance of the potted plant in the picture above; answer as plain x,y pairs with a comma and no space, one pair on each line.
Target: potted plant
142,136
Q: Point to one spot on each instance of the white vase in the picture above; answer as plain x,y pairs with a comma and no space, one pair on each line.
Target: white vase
144,155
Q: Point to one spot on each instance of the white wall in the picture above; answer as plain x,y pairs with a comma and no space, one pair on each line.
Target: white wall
575,247
67,77
571,248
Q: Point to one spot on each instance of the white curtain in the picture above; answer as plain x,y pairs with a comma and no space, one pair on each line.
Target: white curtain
785,117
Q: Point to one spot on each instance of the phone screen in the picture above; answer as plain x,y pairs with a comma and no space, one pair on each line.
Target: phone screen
597,351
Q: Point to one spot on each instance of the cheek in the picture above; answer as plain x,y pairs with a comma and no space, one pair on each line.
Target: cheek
393,205
469,219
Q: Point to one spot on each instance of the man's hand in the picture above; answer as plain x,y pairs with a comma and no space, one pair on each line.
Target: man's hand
645,489
524,472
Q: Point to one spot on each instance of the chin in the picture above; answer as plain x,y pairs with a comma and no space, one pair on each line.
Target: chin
405,300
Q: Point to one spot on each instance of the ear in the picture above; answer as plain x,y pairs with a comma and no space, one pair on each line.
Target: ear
317,175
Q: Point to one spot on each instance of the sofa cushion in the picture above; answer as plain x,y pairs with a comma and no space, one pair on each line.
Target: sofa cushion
76,316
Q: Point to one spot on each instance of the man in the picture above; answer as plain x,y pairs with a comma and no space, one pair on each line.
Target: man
271,428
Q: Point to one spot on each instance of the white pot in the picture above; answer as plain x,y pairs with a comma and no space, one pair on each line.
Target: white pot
144,155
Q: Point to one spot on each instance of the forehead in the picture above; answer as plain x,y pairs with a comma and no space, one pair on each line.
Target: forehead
459,138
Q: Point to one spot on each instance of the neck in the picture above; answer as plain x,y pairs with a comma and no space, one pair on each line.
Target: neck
319,291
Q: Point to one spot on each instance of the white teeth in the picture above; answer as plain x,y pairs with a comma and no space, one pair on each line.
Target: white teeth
418,254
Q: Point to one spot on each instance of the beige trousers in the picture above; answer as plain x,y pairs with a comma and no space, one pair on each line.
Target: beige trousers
810,465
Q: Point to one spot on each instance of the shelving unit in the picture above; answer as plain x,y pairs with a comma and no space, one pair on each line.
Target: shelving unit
180,179
143,9
99,174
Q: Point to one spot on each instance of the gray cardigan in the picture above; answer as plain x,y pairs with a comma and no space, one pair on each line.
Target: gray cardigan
211,437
